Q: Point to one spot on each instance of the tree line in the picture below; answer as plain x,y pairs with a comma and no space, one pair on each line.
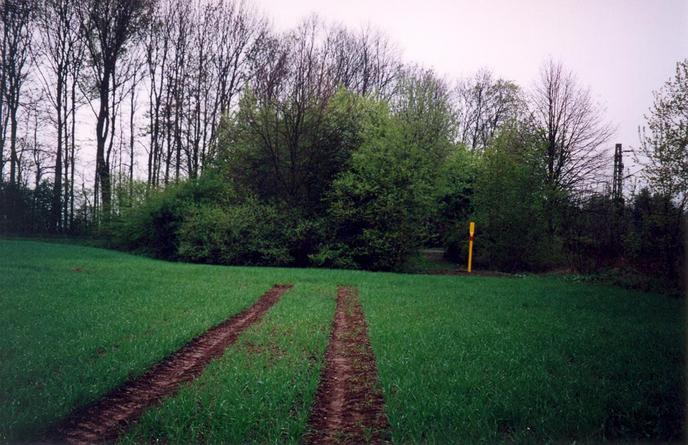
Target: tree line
187,103
166,71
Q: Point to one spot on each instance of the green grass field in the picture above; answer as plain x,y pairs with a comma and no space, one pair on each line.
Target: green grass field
467,359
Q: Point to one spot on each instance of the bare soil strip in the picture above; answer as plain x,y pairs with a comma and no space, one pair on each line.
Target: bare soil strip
349,407
109,417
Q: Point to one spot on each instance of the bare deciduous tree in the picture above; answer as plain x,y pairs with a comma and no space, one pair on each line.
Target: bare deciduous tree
365,62
199,57
107,28
17,16
571,126
56,48
483,105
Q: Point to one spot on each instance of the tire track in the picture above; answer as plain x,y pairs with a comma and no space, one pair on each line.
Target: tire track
109,417
349,407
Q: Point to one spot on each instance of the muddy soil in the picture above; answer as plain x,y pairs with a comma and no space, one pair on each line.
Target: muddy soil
109,417
349,407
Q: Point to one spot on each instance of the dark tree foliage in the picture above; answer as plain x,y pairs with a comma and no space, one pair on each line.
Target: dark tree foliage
655,240
453,202
593,235
24,210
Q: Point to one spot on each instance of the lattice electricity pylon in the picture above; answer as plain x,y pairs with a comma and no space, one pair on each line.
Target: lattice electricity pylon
617,182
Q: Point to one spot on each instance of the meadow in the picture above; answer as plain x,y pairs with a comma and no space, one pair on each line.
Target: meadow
460,358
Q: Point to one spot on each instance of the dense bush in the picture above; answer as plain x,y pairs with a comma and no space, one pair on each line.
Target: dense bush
655,239
24,210
248,233
153,227
205,220
378,207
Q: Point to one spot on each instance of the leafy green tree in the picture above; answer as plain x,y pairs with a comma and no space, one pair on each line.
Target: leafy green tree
453,197
423,105
510,203
260,151
664,144
378,207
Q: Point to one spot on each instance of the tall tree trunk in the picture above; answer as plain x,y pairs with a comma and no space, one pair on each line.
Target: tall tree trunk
13,141
102,180
131,140
56,206
67,161
72,156
153,137
3,88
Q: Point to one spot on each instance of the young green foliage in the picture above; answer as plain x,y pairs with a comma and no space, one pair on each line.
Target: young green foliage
513,206
378,206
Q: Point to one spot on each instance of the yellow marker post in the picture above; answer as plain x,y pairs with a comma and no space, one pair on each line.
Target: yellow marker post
471,232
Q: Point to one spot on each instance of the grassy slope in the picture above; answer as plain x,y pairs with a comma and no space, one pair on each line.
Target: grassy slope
477,358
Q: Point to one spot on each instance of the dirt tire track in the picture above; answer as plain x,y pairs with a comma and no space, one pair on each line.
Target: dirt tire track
349,407
109,417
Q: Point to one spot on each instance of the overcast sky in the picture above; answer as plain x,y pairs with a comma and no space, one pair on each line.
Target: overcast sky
620,49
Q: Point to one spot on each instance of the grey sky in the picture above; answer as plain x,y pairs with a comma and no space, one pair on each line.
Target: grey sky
620,49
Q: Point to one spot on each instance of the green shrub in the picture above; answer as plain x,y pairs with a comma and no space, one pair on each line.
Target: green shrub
205,221
334,255
249,233
378,207
152,227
